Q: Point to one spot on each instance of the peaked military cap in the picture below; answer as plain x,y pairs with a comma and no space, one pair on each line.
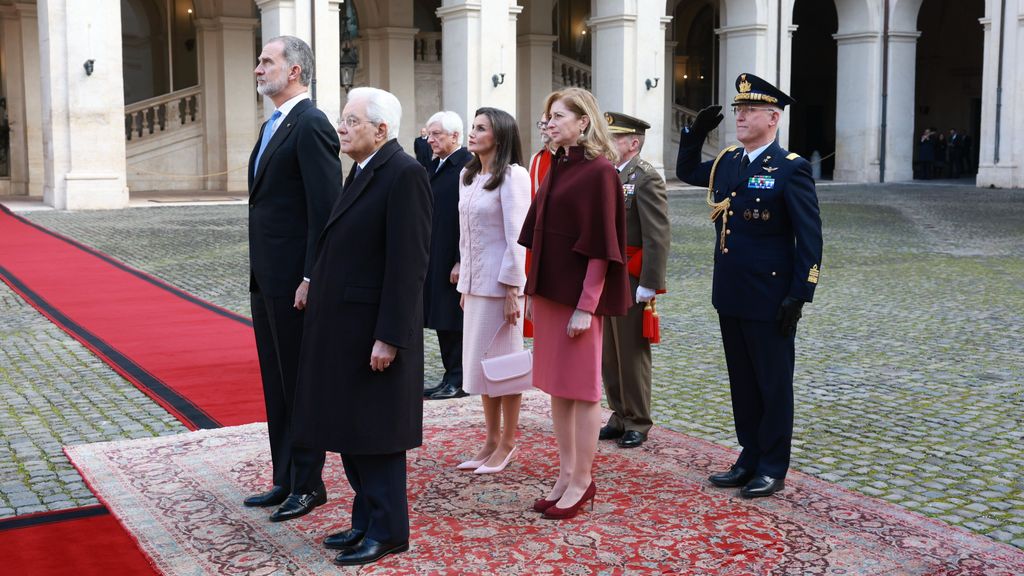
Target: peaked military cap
751,89
619,123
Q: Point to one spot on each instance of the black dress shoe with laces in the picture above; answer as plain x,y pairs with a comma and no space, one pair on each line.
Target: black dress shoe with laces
733,477
448,392
271,497
609,433
369,551
632,439
428,391
762,486
346,539
299,505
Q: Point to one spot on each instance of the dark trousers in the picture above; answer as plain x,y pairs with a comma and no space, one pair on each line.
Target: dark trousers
380,505
450,342
626,371
278,328
760,362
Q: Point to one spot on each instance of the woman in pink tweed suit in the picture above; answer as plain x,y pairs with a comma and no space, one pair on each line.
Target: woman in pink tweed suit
494,195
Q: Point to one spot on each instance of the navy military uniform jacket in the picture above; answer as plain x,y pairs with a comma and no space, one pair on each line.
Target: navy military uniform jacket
772,244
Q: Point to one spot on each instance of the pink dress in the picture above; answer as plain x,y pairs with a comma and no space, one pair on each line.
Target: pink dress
490,259
569,367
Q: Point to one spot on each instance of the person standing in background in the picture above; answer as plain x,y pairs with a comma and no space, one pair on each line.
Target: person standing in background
626,359
441,310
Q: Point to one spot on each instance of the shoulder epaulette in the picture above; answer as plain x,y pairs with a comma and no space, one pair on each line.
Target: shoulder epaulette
729,149
645,165
792,156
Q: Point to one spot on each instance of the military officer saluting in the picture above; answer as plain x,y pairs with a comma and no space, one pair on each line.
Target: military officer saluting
767,261
626,354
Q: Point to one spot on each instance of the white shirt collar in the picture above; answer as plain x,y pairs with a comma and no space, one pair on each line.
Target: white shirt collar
368,158
757,152
290,103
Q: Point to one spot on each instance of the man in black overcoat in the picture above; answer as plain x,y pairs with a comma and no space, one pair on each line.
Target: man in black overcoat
294,179
422,148
360,390
767,261
441,310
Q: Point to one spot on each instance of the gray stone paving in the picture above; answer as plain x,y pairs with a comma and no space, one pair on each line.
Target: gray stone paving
910,367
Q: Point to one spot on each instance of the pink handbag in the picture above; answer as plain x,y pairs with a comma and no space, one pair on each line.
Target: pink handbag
507,372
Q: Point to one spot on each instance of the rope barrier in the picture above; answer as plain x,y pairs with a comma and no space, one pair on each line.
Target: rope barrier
166,175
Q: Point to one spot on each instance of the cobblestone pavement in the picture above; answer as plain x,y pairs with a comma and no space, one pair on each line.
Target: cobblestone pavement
910,362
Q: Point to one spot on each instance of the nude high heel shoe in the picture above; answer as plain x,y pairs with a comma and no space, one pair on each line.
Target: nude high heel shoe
499,467
471,464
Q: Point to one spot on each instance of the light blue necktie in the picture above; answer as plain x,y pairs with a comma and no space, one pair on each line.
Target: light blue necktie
268,132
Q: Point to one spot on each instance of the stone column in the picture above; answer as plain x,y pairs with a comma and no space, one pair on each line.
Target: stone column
670,129
533,60
900,137
390,63
328,56
628,54
82,110
21,50
479,41
1006,172
859,103
230,107
737,44
463,56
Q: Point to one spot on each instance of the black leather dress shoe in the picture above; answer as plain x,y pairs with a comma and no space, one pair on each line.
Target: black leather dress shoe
762,486
733,477
609,433
428,391
632,439
299,505
448,392
345,539
271,497
369,551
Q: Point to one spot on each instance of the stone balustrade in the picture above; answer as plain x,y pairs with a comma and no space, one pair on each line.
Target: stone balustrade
162,114
568,72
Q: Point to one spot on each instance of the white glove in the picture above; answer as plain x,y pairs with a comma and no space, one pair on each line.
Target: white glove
644,294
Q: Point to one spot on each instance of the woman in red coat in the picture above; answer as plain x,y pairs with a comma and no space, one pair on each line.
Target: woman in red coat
539,166
576,228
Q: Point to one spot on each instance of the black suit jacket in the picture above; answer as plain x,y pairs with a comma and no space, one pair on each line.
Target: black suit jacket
290,197
424,153
441,310
367,285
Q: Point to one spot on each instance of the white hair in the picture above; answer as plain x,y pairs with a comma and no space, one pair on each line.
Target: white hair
449,121
382,107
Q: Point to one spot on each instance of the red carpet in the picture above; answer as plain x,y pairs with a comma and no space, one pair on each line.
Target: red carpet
84,541
196,360
655,513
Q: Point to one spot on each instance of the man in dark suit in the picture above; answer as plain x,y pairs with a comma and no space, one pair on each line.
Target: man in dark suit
767,261
294,178
360,390
422,148
441,310
626,353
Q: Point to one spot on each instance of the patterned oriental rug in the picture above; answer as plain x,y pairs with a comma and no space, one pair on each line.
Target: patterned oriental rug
655,513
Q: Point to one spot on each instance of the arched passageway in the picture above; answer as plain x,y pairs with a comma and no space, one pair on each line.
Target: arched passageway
948,82
812,123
